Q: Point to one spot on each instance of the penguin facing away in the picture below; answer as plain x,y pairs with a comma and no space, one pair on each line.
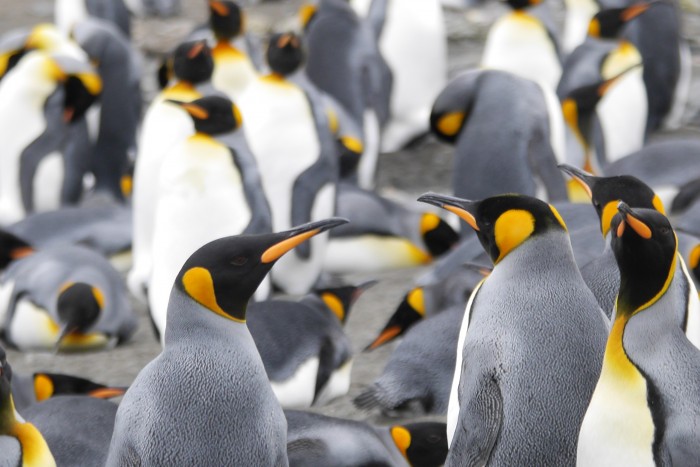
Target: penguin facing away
644,410
499,375
298,178
20,442
224,379
164,125
602,275
201,196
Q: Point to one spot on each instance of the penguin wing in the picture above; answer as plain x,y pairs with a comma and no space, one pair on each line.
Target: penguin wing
261,219
376,16
480,418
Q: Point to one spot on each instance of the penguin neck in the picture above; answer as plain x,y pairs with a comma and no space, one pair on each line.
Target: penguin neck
187,319
558,251
35,451
628,287
181,90
224,48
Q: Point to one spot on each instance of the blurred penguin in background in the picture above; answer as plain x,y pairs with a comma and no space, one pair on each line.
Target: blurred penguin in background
299,178
344,60
164,126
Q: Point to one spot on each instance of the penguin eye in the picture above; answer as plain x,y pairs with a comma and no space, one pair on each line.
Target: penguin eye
433,439
664,230
239,261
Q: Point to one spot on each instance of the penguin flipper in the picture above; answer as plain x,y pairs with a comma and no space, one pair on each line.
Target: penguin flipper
261,221
480,419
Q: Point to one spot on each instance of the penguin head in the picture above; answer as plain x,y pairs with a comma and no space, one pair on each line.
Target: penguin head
504,222
12,248
694,261
226,19
340,300
606,192
645,248
212,115
47,385
439,237
81,83
285,53
607,24
410,310
78,307
522,4
222,275
421,443
192,62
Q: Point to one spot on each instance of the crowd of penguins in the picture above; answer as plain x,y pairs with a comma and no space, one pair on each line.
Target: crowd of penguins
558,322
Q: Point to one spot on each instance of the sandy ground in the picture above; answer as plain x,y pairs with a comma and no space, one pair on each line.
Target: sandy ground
404,174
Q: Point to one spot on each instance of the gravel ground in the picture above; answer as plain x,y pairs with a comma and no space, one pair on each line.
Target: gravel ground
404,175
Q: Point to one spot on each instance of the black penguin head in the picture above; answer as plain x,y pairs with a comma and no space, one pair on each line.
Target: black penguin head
78,307
606,192
645,248
81,85
223,274
285,53
410,311
423,444
47,385
522,4
212,115
225,19
12,248
192,62
607,24
503,222
694,261
340,300
439,237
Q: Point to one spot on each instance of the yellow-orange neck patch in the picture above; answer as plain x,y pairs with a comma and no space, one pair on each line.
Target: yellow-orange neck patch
199,285
511,229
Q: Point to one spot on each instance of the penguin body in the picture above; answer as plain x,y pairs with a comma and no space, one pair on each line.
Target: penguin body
68,13
164,125
344,60
224,379
315,439
39,173
412,39
104,228
644,408
519,42
383,234
78,429
298,178
419,372
489,159
578,16
306,353
31,290
20,442
120,104
487,411
201,196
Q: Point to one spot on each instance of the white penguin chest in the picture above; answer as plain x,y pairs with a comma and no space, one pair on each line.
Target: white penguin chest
281,132
618,428
233,72
520,43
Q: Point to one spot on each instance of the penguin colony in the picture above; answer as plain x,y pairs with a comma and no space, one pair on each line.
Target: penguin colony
555,320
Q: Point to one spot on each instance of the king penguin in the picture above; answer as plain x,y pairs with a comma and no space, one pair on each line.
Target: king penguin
39,99
645,410
298,177
233,69
344,60
202,195
499,125
66,298
20,442
602,275
534,307
164,125
412,39
315,440
218,393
